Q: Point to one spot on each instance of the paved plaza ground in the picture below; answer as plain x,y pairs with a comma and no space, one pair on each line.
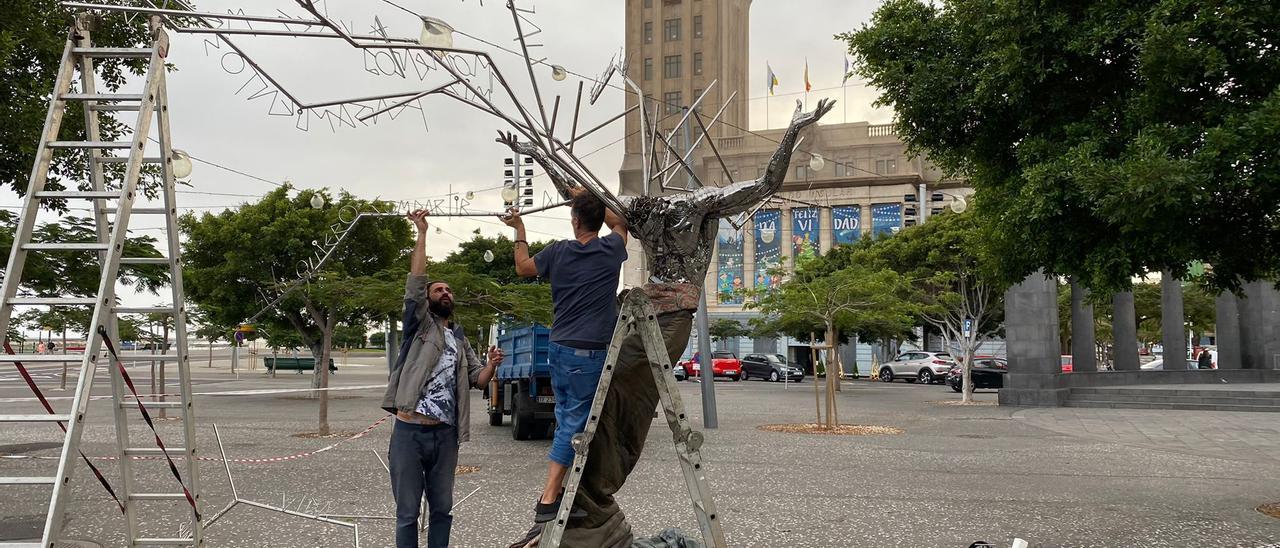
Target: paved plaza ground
1056,477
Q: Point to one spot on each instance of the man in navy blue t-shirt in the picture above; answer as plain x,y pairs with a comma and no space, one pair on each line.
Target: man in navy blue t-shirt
584,284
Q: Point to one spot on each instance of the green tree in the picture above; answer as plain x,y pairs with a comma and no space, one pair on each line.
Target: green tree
77,273
238,260
832,301
950,279
32,36
725,328
502,269
350,336
378,339
1106,140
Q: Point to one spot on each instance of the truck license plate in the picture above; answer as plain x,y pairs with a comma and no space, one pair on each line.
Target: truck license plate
545,399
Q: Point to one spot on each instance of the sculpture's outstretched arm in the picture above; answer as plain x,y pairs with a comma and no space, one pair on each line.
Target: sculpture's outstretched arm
562,182
739,197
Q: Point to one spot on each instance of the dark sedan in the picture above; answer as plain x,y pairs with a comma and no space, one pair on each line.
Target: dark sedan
770,366
986,373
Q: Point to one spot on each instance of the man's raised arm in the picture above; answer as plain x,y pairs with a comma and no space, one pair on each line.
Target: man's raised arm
739,197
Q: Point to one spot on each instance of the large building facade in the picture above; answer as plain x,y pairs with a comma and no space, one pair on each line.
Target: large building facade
865,184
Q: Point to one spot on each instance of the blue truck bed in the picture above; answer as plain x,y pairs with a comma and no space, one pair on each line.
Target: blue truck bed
522,385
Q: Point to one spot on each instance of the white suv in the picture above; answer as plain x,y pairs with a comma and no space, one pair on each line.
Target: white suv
926,367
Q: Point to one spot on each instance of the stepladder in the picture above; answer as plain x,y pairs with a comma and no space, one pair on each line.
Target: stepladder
118,158
636,318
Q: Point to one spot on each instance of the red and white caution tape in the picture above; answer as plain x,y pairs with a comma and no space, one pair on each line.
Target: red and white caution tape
267,460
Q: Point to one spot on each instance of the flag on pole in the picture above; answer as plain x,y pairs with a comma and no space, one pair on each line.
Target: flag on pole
773,79
807,85
846,71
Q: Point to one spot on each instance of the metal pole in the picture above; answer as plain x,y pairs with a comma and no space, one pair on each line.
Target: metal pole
707,376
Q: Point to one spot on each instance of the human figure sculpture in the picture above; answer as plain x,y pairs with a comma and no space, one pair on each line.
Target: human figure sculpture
677,233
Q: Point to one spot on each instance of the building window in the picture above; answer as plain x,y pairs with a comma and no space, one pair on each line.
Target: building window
802,172
697,62
648,68
886,167
671,30
840,169
760,171
648,101
697,92
648,3
671,66
648,32
697,26
673,100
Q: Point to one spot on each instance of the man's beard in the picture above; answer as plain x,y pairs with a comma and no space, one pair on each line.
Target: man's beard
440,308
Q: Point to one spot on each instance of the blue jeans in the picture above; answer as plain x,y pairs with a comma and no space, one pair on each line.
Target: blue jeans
423,458
574,376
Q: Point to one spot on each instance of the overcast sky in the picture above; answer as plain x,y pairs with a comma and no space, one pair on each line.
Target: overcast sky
447,146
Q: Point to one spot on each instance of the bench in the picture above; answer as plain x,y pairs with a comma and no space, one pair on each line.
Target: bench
295,364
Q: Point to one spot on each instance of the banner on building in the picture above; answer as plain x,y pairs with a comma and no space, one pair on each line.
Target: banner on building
768,230
846,224
886,219
804,232
729,282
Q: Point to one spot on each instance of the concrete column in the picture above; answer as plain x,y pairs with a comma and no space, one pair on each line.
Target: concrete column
1083,337
1172,335
1031,330
1260,326
765,345
1124,326
1227,330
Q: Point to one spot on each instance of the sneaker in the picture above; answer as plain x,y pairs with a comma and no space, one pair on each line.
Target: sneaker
545,512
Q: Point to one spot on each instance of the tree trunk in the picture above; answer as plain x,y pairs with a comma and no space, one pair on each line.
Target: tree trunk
210,352
164,344
832,377
813,357
322,365
64,364
318,351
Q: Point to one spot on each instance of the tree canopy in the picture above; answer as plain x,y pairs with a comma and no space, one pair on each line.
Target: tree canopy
1106,139
32,36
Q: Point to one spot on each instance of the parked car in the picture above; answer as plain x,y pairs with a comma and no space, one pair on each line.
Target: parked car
769,366
987,372
680,372
1066,363
926,367
128,345
723,364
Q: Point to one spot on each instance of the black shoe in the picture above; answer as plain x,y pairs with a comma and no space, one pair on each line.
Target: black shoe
545,512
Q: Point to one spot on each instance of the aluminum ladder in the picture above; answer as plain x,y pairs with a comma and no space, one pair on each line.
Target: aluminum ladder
151,106
637,317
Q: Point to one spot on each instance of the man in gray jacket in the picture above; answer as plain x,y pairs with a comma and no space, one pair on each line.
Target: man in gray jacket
429,393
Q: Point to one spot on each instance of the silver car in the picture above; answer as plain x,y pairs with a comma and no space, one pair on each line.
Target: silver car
926,367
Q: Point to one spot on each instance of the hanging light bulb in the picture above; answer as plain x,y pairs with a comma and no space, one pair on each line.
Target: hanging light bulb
959,204
509,194
439,231
317,201
488,255
558,73
471,195
181,164
817,162
436,33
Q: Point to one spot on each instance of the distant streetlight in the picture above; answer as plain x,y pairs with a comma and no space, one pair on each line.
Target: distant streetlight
317,201
558,73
